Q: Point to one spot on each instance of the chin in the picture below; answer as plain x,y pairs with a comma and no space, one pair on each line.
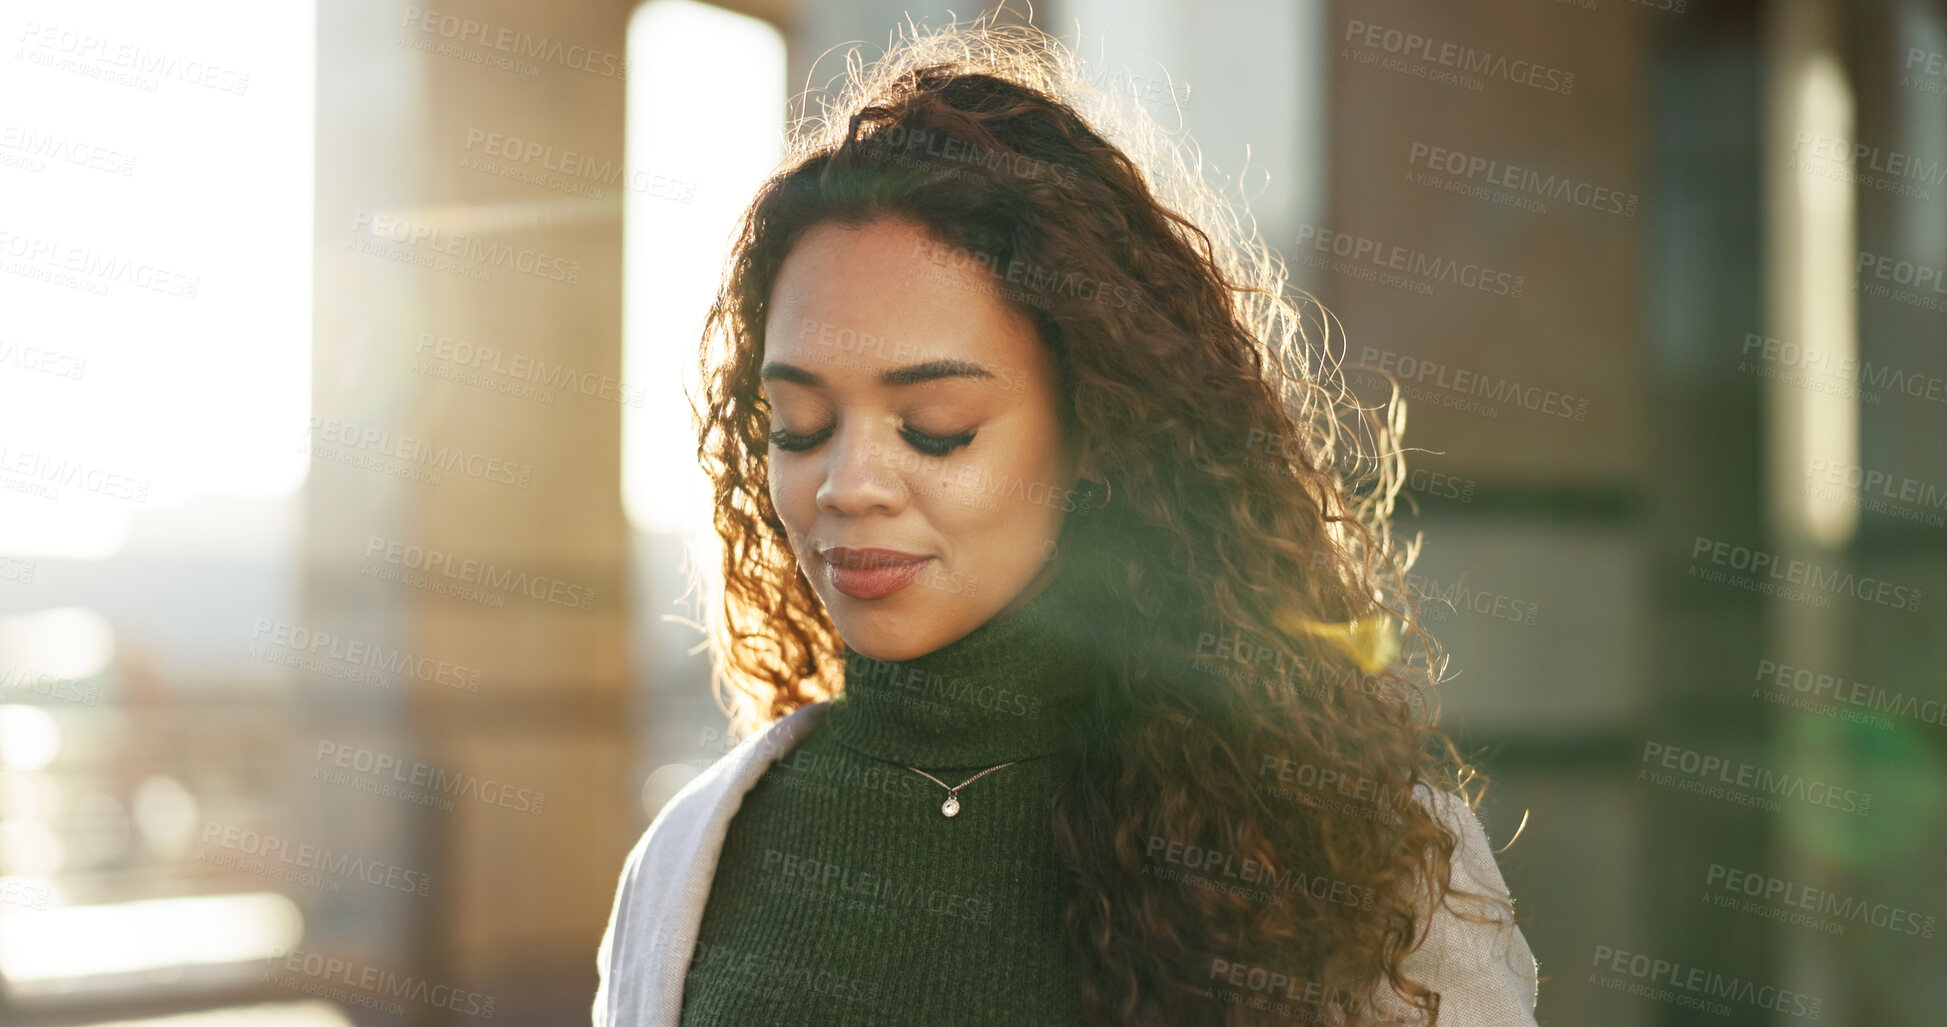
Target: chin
889,654
873,637
907,624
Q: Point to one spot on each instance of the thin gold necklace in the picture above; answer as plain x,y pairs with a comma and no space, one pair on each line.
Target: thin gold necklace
951,807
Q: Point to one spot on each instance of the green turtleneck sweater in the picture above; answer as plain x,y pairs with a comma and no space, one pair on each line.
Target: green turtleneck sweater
843,895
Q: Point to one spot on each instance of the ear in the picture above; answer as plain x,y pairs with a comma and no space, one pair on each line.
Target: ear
1087,461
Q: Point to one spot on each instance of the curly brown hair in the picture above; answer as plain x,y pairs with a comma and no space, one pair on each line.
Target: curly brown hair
1246,597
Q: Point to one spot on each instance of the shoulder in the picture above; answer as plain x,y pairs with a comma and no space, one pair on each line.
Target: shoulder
713,795
733,773
665,879
1484,971
1473,857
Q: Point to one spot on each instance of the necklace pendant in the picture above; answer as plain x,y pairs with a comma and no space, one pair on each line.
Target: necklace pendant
951,806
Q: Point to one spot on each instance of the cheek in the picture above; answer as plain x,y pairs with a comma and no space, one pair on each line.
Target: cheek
794,493
1001,508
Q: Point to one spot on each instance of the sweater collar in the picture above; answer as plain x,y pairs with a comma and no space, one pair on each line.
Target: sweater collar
996,694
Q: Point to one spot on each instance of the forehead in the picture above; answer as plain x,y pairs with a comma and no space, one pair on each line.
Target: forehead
850,302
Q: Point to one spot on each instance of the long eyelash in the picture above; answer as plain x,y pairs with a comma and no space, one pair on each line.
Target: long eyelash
791,443
931,445
936,445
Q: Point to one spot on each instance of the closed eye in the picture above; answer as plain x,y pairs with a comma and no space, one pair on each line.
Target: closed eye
931,445
791,442
936,445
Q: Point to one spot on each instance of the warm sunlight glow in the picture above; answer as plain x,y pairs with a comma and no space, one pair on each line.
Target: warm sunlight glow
154,934
156,241
707,112
1814,309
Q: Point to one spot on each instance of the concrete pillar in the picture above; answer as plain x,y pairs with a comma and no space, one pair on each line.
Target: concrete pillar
468,322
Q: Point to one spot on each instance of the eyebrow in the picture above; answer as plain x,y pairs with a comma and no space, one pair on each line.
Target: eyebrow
932,370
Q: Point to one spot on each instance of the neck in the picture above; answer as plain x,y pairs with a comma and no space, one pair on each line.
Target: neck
994,695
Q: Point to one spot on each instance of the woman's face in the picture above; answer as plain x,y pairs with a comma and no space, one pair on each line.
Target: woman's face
917,457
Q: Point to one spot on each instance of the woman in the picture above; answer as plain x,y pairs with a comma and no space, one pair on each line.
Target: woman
1056,594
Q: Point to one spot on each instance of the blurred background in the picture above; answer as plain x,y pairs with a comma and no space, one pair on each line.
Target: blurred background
344,470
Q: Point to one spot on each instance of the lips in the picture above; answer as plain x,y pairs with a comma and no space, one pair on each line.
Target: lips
867,573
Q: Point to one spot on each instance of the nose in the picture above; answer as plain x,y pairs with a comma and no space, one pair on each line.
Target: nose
860,473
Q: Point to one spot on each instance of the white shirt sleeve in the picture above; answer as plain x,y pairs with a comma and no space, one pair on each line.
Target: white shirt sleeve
1485,973
620,929
665,882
